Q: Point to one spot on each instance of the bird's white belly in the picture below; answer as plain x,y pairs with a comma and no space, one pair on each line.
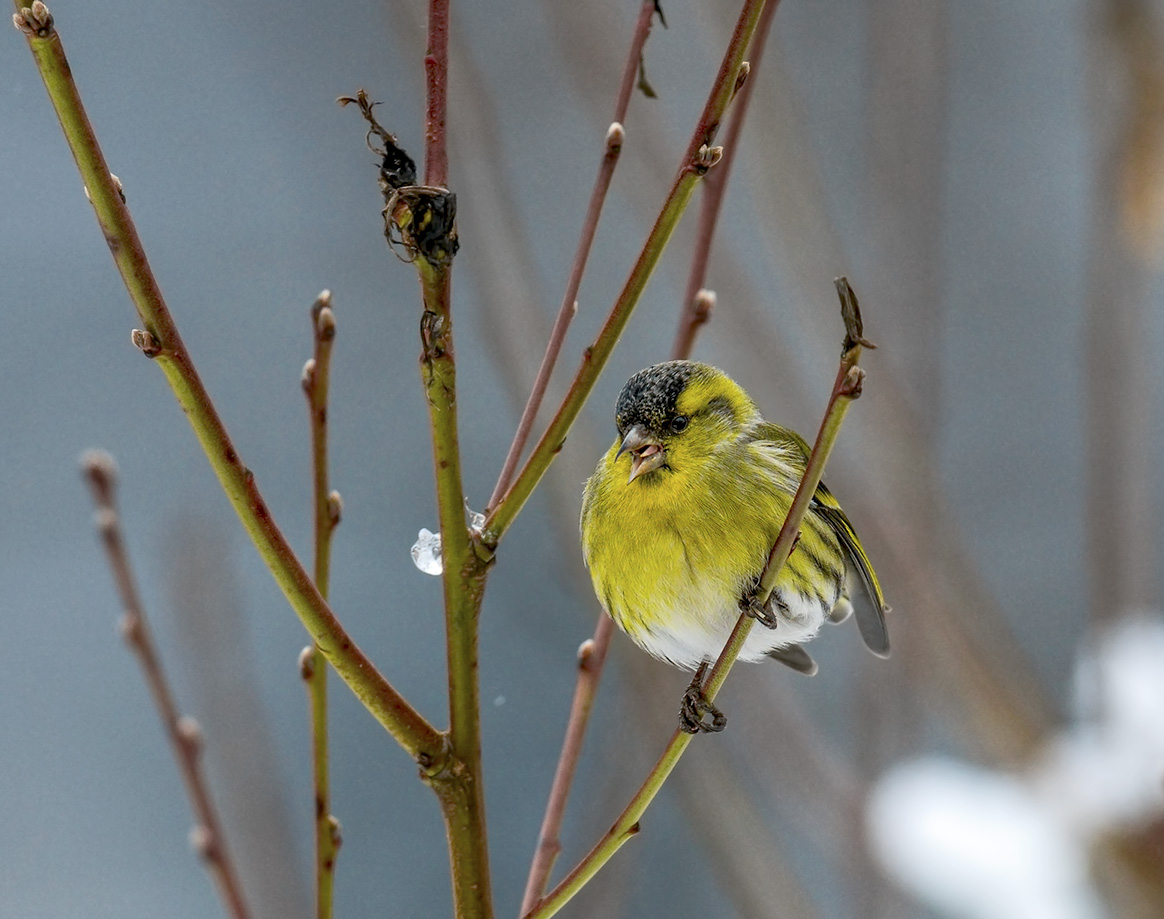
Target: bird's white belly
696,626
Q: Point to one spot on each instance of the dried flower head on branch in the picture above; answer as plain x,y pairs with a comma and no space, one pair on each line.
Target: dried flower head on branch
421,219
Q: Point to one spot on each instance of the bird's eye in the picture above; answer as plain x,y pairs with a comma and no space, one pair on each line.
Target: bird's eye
678,424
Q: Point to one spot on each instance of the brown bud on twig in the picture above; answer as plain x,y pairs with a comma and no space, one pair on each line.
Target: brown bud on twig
325,324
100,468
853,383
34,20
615,137
190,734
146,343
703,305
851,314
202,841
741,77
337,831
307,662
705,158
129,627
307,377
335,508
324,299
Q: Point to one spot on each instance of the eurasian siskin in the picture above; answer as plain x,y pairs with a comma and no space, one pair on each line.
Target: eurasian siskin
683,509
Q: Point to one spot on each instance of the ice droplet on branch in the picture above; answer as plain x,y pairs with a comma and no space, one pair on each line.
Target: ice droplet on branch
426,551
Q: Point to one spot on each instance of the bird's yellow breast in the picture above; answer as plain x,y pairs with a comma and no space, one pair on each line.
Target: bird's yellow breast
674,550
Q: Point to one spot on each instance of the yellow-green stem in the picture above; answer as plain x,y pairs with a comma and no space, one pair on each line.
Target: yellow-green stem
593,360
163,342
845,389
695,163
460,788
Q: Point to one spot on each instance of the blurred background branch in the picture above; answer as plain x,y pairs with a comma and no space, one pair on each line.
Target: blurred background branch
207,837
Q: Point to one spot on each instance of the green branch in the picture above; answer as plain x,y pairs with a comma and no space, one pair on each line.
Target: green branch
846,388
594,358
458,788
697,159
161,341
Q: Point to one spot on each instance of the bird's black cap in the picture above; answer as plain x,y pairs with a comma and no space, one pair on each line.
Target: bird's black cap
648,398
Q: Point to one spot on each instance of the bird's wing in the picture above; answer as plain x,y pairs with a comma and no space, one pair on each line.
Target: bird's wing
866,597
865,592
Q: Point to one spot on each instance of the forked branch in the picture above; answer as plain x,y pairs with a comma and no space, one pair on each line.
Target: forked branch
159,340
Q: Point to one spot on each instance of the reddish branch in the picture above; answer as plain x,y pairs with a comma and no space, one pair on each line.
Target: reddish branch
183,731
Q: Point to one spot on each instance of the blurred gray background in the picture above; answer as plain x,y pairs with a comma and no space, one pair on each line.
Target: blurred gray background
987,175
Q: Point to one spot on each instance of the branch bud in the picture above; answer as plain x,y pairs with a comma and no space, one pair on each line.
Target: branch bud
34,20
706,157
325,324
307,663
615,135
146,343
703,305
741,77
324,299
100,468
335,507
190,734
202,841
129,627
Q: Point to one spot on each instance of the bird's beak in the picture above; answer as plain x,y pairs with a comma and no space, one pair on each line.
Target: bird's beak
646,451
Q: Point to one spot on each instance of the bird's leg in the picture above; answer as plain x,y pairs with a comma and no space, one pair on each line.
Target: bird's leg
695,706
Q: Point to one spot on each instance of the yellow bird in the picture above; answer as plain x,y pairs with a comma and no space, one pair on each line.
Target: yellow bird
682,511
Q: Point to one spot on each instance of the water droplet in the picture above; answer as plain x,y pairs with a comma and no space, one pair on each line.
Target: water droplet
426,552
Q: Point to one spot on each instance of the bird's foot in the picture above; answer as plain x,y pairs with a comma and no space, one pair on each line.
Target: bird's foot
763,613
695,706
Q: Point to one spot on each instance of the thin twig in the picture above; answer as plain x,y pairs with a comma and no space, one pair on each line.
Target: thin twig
698,302
327,509
160,340
436,73
591,656
592,653
183,731
590,667
699,157
613,147
846,388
